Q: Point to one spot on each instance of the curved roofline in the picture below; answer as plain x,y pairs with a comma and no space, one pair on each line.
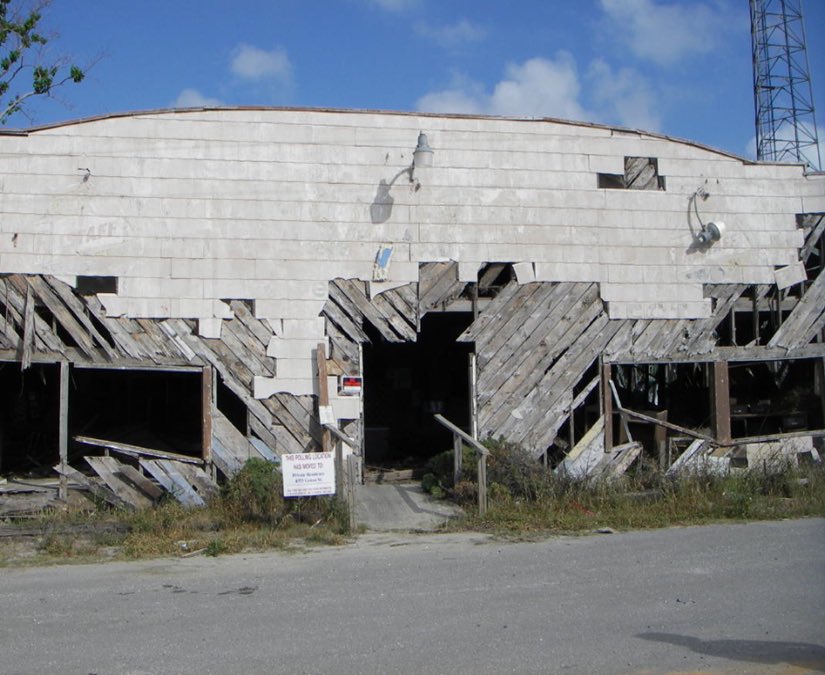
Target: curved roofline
367,111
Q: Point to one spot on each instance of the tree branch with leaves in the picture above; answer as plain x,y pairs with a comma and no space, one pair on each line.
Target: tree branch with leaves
24,72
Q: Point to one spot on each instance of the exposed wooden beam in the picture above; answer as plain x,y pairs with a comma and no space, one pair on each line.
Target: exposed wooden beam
720,401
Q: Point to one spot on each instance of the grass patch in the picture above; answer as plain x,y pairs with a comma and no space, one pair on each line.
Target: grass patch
250,514
525,501
525,498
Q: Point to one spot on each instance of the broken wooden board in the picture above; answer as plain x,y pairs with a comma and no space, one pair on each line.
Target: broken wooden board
26,503
136,450
618,460
108,468
587,454
98,490
167,473
700,458
805,320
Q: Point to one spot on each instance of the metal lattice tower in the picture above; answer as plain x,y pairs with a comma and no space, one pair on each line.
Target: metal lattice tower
785,119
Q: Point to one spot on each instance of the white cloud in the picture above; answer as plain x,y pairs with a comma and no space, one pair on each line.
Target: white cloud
623,95
665,33
536,88
192,98
453,35
252,63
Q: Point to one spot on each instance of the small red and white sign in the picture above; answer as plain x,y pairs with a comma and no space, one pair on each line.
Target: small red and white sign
350,385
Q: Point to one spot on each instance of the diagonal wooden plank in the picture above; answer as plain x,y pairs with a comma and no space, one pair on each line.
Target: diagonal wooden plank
343,321
531,362
261,330
479,326
15,300
117,327
28,330
198,479
172,469
805,318
355,293
73,327
226,462
79,309
99,491
175,484
141,482
107,468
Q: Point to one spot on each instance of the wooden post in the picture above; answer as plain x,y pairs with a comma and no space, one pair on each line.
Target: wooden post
660,438
323,392
352,471
482,484
63,429
340,482
607,407
457,451
755,316
207,398
720,402
473,396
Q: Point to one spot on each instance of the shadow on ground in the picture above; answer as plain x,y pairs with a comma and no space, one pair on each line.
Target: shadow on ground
768,652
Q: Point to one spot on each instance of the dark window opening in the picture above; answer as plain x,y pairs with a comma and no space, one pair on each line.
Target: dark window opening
611,181
90,285
160,410
678,393
406,383
772,397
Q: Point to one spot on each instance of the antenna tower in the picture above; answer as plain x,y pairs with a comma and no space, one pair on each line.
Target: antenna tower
785,119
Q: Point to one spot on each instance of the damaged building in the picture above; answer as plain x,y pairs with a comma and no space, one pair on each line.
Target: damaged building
182,290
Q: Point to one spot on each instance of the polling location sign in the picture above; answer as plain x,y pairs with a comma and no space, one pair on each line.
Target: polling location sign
308,474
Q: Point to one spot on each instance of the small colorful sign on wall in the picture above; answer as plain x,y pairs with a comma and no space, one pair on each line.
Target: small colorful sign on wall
308,474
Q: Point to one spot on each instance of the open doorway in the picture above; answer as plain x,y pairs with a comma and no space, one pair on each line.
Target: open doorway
406,383
29,418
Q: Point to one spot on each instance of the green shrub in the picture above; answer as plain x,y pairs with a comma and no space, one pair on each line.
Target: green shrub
255,493
517,471
509,466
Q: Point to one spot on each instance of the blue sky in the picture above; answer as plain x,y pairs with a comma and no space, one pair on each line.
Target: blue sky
679,67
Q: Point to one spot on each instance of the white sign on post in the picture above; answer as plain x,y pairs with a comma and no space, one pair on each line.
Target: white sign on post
308,474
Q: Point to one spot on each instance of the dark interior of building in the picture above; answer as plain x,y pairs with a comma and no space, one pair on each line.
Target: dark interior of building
153,409
406,383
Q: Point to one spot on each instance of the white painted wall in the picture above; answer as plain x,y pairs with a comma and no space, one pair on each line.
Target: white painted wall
187,208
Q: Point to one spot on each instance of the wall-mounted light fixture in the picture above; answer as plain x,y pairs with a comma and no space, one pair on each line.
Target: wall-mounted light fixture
423,153
710,232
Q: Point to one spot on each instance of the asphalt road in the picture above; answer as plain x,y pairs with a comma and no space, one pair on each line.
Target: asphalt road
732,599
